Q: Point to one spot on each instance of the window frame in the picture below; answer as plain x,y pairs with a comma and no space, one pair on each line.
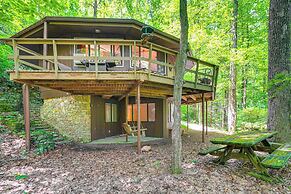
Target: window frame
111,112
131,119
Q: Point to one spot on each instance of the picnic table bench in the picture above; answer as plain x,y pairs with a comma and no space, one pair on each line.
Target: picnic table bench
247,144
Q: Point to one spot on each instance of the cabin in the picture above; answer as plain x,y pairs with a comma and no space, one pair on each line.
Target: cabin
95,74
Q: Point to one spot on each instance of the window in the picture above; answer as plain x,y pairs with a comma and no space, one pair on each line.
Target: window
116,51
147,112
161,57
106,51
110,112
152,112
143,112
107,112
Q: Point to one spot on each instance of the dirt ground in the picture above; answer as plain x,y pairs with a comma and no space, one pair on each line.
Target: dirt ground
75,169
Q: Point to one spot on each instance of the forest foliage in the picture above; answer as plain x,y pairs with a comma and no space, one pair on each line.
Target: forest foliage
209,38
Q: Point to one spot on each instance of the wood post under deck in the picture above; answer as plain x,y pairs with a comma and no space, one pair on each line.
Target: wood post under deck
138,119
45,45
126,113
187,117
202,112
206,119
25,92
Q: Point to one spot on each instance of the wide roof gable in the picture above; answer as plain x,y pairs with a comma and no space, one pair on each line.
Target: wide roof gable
92,20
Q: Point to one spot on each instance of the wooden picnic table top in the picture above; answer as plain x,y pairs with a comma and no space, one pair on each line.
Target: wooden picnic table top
243,139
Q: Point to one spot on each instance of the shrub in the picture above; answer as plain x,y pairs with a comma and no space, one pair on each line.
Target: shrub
13,120
43,140
252,119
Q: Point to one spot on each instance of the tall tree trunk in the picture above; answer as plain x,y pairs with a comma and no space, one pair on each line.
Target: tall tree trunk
279,94
244,74
244,88
180,70
95,8
225,111
232,75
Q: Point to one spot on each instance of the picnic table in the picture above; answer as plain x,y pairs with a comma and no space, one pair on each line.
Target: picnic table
244,145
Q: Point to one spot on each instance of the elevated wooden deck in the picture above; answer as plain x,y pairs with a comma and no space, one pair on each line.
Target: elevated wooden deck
46,70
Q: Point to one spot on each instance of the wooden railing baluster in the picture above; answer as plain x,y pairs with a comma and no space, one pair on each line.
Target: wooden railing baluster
150,60
95,58
55,58
196,74
134,58
16,57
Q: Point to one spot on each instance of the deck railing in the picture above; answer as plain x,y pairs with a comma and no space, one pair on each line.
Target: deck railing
197,71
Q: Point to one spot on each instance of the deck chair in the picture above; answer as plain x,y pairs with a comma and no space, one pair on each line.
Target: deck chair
129,131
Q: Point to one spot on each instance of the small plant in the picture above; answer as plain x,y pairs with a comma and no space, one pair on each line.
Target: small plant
194,161
20,176
44,140
157,164
176,170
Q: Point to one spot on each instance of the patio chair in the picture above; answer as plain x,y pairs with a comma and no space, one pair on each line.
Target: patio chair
129,131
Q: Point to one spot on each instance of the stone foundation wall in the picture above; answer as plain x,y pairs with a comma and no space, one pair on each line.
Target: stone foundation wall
70,115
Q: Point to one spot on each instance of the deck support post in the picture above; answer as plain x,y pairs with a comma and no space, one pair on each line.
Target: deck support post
206,116
187,117
25,92
44,45
202,115
126,114
138,120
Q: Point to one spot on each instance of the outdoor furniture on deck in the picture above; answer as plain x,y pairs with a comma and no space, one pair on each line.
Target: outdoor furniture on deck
129,131
88,64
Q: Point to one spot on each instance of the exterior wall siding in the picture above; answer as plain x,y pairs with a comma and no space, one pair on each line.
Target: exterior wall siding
70,115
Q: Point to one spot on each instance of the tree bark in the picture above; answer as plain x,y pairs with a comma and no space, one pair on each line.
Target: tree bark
225,111
244,88
95,8
279,94
232,75
179,70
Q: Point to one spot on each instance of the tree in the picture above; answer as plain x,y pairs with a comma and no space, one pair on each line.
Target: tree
232,74
180,71
279,93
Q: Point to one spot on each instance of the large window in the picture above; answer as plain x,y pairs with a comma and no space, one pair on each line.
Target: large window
110,112
147,112
105,51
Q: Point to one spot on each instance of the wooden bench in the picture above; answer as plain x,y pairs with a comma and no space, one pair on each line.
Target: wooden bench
211,150
279,158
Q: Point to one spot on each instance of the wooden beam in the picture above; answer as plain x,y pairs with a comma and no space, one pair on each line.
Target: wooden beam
95,58
206,119
31,65
106,96
202,116
55,58
138,119
187,117
184,98
25,92
16,57
44,45
137,84
126,109
32,32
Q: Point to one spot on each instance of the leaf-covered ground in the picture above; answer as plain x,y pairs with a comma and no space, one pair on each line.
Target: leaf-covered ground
75,169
